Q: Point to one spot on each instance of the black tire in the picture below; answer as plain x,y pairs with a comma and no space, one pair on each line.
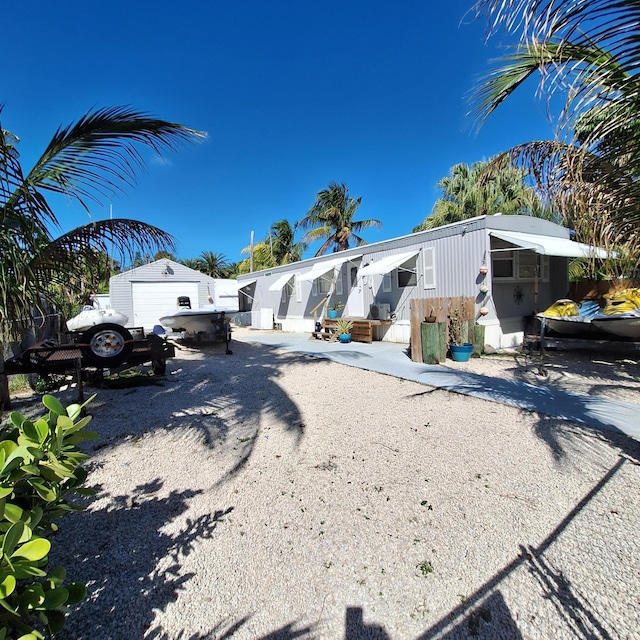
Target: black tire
33,378
159,366
107,345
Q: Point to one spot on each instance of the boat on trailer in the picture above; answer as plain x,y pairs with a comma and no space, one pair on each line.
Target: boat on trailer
196,321
90,317
569,318
621,315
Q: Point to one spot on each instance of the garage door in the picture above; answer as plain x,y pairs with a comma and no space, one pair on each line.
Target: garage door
154,299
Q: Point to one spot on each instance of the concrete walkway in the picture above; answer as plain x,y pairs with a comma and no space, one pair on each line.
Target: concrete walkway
393,359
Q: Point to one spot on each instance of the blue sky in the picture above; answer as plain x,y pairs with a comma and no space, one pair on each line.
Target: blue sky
292,94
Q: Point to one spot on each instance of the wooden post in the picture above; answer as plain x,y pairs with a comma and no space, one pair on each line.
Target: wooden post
478,340
433,342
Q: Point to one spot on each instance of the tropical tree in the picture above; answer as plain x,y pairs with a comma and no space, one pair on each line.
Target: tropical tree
282,243
164,254
279,247
585,55
192,263
213,264
262,258
86,161
331,218
482,189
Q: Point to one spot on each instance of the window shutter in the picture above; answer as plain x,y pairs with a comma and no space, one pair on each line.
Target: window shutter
429,268
339,283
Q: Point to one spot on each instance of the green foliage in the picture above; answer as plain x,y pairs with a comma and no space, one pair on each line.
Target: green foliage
331,219
344,326
483,188
19,382
584,55
40,466
456,328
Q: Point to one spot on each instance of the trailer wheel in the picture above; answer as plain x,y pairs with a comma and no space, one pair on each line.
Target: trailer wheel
159,366
108,345
33,378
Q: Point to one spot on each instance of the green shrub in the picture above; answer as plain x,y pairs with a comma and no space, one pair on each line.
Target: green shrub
39,468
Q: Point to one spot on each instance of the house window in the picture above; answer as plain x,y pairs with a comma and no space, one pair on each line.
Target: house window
354,276
503,264
523,264
408,273
324,285
527,265
386,283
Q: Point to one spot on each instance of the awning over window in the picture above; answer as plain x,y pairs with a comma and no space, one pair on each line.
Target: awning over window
549,245
230,289
386,264
246,283
319,269
278,285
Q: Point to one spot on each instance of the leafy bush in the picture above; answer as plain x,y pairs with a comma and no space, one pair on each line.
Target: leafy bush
39,469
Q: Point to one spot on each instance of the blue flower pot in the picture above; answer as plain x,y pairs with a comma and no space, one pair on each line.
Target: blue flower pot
332,313
344,337
461,353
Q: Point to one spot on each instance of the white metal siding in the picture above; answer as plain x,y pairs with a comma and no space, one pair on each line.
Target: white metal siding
154,299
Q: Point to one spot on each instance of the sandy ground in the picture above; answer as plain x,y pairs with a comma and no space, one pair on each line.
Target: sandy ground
268,495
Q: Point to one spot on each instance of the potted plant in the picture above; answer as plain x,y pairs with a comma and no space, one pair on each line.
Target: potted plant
461,350
432,315
343,329
334,308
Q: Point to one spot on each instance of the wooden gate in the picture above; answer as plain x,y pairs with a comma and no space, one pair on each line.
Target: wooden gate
420,308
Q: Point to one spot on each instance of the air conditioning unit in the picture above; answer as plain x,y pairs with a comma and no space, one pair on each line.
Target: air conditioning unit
380,311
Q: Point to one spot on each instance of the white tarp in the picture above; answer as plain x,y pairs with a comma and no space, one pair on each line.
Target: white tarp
320,268
550,245
386,264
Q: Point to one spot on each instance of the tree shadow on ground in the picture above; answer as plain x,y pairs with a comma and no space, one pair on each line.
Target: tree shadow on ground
130,566
220,399
485,614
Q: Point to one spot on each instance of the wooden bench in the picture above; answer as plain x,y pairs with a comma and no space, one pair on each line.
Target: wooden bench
362,330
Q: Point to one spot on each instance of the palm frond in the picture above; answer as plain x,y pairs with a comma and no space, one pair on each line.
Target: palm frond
99,154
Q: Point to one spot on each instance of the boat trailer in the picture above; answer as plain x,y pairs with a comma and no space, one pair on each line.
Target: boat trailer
103,346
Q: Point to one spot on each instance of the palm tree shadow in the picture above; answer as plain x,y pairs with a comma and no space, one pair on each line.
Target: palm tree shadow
130,565
221,400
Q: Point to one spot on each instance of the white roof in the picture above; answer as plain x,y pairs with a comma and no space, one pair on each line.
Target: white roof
280,282
320,268
550,245
387,264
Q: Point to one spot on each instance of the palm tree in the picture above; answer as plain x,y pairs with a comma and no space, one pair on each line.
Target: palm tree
482,189
213,264
282,243
86,161
262,258
587,52
331,218
191,263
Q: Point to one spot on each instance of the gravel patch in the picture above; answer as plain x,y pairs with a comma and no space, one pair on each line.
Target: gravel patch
270,495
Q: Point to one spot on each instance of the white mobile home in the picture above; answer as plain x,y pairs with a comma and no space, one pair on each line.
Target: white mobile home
146,293
520,261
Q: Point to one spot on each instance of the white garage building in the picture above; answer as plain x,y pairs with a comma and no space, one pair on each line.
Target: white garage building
146,293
